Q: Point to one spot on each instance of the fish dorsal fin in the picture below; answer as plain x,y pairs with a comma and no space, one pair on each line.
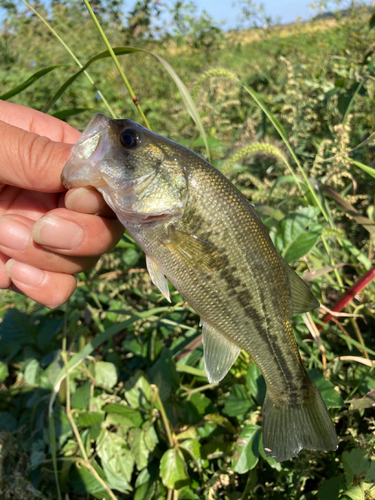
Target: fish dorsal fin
302,298
157,277
219,353
193,251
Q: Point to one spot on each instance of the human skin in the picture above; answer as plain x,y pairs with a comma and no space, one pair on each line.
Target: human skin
46,234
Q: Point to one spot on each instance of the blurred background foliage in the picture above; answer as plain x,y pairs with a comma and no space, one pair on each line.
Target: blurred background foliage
106,396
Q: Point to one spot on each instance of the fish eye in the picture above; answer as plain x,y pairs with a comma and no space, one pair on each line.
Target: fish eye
129,138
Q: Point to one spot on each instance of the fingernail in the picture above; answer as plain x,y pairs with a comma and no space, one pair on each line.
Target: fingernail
13,234
88,201
28,275
55,232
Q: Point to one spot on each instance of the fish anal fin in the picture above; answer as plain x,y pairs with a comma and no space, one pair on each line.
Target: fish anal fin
289,426
193,251
219,353
302,298
157,277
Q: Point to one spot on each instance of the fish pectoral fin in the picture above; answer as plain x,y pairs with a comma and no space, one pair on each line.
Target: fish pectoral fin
219,353
302,298
193,251
157,277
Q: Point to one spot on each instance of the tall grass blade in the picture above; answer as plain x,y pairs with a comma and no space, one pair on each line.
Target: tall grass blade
65,113
365,168
186,97
70,52
367,223
52,436
34,78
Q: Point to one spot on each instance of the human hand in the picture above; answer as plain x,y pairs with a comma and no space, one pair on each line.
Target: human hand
46,235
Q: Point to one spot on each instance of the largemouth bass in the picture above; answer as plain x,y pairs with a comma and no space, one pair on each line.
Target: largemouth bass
202,234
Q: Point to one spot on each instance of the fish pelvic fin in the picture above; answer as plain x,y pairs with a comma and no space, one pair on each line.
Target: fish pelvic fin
302,298
157,277
288,428
219,353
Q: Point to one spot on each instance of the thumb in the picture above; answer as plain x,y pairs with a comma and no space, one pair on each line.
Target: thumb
30,161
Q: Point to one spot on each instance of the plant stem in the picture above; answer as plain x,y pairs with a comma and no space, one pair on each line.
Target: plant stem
336,271
351,293
116,61
163,415
85,461
247,486
70,52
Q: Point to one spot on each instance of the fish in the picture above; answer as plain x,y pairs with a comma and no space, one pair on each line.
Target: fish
199,232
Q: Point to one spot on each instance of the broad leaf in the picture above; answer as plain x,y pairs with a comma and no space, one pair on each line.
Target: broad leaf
256,384
173,470
330,396
297,234
238,402
106,374
246,450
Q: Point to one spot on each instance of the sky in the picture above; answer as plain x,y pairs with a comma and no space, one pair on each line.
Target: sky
287,10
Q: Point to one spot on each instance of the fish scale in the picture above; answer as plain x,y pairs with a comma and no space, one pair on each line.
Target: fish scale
202,234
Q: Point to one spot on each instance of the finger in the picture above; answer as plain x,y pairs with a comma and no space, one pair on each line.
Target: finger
48,288
30,161
71,241
88,201
77,234
37,122
5,281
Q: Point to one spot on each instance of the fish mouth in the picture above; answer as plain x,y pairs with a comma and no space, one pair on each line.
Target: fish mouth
90,148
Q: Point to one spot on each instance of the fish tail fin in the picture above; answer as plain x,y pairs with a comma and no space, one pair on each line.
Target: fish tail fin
288,427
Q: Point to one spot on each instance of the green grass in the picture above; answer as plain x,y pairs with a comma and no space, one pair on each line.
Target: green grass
98,398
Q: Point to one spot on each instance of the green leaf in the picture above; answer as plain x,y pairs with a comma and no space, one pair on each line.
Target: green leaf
355,493
370,476
84,482
146,491
139,447
371,23
217,419
367,401
256,384
355,463
7,422
106,374
22,86
48,328
297,234
138,391
116,459
31,373
330,489
193,448
173,470
246,450
17,327
134,415
238,402
331,397
89,418
4,371
81,397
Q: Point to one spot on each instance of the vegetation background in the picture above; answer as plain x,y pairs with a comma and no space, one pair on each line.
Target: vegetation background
106,396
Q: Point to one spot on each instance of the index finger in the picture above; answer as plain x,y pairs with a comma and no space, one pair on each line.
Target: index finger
37,122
